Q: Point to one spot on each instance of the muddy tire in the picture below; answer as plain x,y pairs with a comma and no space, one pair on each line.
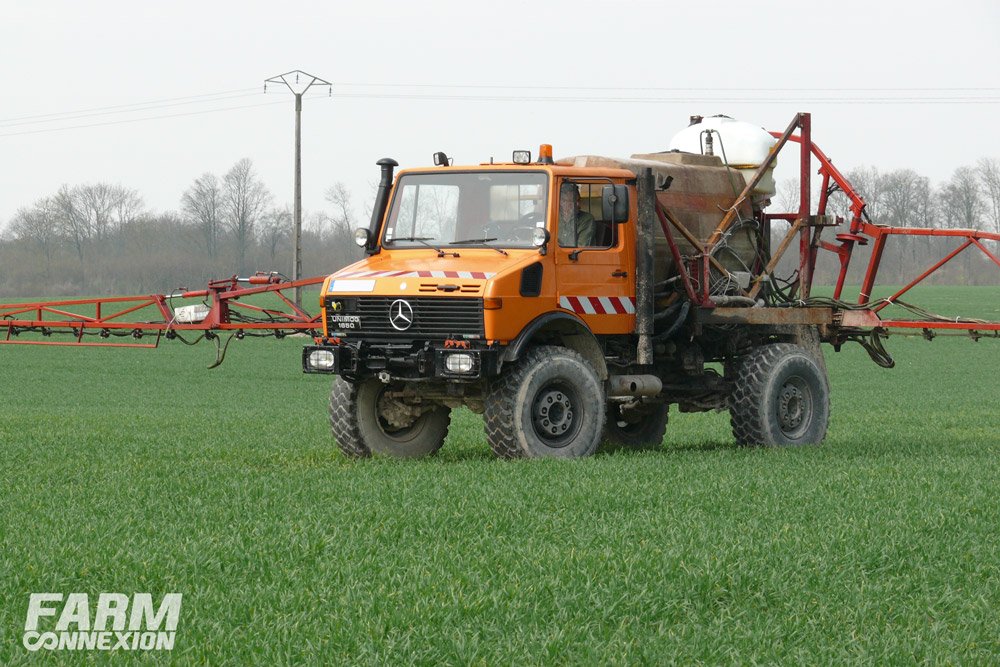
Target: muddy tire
361,432
550,403
647,433
781,397
343,420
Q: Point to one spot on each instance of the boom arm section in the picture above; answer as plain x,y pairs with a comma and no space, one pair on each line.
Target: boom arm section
223,309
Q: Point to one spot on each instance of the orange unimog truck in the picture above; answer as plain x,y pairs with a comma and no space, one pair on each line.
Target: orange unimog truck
571,302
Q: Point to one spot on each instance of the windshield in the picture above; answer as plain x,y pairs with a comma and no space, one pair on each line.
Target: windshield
472,208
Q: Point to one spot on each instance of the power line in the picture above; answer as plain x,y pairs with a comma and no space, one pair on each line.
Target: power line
237,93
220,96
133,104
137,120
123,111
675,100
653,88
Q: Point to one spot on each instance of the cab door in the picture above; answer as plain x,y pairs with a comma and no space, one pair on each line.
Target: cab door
593,261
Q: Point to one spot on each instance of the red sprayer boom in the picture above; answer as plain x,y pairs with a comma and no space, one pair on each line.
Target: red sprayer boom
221,308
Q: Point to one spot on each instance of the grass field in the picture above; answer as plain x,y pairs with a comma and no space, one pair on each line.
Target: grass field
139,470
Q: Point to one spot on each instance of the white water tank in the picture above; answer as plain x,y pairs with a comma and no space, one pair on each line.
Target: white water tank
742,145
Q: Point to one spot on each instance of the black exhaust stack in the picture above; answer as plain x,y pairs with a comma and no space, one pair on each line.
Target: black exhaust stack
386,164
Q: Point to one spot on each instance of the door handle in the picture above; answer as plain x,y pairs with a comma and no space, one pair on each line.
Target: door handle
618,273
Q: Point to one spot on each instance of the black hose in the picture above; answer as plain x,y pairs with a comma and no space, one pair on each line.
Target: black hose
685,306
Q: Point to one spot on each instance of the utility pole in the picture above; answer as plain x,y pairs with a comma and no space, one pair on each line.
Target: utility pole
298,82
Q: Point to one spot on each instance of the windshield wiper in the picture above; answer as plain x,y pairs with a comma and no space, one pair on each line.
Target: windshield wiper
424,240
483,242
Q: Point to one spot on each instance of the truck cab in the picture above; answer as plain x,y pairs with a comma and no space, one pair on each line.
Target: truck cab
468,265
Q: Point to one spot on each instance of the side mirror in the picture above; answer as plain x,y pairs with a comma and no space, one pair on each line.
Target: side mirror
614,201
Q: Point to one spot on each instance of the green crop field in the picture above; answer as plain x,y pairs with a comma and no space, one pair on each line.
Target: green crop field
141,471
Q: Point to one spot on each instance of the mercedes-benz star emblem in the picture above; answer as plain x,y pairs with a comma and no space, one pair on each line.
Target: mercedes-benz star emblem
400,315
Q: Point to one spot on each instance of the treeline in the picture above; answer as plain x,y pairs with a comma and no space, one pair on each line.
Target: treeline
970,199
98,239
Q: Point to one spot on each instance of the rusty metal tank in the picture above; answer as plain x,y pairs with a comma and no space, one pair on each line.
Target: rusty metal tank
701,190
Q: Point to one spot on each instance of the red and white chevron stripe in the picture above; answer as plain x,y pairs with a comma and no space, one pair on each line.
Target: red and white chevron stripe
599,305
466,275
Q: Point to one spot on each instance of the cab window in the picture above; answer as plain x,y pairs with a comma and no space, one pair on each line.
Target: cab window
580,216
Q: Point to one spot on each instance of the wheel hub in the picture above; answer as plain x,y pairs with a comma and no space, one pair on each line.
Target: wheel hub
794,405
553,413
395,414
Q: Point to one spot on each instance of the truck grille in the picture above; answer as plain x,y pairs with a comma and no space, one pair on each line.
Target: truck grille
433,317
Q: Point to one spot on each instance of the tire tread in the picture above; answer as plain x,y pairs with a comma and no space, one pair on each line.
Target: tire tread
344,422
751,375
499,415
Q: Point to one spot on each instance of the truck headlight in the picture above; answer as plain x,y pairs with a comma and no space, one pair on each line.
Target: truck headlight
322,359
362,236
539,237
459,362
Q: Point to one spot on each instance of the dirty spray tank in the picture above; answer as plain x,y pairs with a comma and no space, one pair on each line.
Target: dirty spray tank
698,187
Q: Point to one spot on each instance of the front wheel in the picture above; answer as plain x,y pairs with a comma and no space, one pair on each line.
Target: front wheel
366,420
781,397
548,404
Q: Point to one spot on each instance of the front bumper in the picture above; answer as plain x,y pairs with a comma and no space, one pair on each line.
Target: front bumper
402,361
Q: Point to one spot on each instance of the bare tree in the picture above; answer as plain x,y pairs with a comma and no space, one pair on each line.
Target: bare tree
787,195
275,227
39,226
342,220
962,199
94,212
126,207
72,220
107,207
202,206
989,175
870,183
245,199
961,203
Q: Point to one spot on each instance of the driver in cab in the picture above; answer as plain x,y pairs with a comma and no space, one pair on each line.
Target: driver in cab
576,226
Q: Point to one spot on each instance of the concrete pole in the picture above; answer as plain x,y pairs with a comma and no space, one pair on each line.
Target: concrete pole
298,89
297,206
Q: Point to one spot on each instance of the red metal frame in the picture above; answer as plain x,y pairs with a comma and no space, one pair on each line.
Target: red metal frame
861,230
221,296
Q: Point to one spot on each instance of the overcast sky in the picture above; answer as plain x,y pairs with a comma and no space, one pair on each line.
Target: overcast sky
635,71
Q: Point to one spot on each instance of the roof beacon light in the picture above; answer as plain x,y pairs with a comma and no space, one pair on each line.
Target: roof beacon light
522,157
545,154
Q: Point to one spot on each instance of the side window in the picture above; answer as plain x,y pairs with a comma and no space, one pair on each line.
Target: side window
580,211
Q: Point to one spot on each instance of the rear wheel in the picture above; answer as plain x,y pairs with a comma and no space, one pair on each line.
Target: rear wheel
638,428
781,397
365,420
548,404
